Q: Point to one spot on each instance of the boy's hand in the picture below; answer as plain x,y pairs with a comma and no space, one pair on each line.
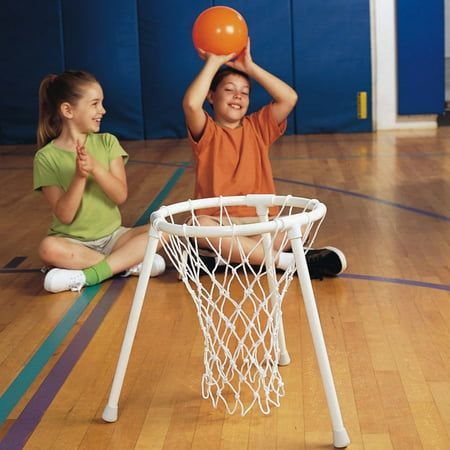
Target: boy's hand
244,61
218,59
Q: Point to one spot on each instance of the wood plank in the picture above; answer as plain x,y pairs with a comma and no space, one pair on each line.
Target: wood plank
389,344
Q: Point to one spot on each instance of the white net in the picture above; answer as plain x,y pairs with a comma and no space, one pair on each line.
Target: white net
238,296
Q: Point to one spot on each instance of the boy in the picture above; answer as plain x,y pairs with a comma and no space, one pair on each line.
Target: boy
232,151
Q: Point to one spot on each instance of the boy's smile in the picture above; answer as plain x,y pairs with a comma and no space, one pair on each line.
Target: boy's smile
230,100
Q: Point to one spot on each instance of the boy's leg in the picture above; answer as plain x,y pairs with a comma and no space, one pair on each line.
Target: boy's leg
322,262
249,245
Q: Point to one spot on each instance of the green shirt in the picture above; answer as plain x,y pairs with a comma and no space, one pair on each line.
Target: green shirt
97,215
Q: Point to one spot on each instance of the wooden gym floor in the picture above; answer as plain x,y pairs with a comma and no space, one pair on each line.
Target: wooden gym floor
386,320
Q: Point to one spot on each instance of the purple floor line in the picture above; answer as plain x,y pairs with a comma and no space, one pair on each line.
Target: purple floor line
442,287
23,427
382,201
25,424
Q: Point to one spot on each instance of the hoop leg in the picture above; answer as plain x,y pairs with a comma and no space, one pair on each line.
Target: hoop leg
340,435
110,412
283,359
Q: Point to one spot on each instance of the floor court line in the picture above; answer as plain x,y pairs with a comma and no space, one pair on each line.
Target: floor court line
19,270
160,197
31,415
422,212
34,366
403,281
15,262
28,374
27,421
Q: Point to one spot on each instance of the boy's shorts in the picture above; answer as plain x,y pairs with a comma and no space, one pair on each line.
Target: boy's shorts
227,221
103,245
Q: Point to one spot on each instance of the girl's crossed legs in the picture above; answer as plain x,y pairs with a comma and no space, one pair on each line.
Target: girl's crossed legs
91,262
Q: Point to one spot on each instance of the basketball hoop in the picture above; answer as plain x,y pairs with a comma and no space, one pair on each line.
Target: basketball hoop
238,302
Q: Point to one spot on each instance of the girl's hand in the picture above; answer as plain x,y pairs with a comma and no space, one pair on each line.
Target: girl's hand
85,163
82,170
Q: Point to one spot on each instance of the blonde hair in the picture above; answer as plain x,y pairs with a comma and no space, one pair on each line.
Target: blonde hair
53,91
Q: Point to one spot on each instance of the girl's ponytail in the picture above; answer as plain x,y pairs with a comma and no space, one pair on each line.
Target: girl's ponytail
49,124
53,91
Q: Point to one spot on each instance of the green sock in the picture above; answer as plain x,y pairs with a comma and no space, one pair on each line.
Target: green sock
97,273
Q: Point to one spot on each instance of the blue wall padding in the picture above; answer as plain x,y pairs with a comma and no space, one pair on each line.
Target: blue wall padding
101,36
30,47
269,27
421,70
142,53
332,63
168,63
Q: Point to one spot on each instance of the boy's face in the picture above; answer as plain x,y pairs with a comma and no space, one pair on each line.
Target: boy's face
230,100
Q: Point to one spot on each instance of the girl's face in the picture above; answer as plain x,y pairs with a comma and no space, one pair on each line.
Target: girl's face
88,112
230,100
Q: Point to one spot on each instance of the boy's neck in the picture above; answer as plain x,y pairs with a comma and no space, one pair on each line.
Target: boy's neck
230,125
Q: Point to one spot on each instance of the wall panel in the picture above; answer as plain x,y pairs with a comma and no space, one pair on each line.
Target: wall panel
30,48
332,63
420,57
101,36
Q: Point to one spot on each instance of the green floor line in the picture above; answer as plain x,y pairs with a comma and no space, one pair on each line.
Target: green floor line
28,374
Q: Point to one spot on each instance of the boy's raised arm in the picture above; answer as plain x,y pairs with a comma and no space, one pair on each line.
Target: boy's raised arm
198,90
284,97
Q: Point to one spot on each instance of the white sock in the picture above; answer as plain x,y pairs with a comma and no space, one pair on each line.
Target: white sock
219,261
285,260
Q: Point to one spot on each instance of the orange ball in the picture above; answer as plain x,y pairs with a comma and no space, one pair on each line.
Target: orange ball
220,30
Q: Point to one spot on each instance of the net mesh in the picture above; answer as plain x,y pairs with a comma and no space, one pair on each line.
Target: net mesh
239,307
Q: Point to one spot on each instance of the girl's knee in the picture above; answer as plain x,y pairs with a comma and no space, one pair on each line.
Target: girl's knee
48,249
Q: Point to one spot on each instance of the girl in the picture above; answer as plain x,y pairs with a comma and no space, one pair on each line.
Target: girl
81,173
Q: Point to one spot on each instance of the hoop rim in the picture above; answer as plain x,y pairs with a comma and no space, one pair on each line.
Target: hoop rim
259,201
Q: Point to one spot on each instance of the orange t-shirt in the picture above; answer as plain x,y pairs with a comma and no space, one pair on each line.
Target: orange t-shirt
236,161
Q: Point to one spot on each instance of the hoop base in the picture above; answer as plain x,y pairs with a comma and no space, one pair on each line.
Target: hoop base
284,359
341,438
110,413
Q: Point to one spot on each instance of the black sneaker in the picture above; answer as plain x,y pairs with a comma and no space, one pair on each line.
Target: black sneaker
325,262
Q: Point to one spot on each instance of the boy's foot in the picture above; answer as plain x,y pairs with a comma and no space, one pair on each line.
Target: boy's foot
158,267
322,262
325,262
59,280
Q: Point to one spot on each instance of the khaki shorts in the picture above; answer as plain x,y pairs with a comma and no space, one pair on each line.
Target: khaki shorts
103,245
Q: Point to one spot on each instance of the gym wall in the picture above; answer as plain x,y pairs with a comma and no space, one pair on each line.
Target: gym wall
141,52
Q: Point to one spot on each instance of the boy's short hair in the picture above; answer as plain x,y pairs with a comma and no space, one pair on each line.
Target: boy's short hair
223,72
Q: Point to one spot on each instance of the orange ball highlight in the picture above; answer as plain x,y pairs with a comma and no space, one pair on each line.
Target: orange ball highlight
220,30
